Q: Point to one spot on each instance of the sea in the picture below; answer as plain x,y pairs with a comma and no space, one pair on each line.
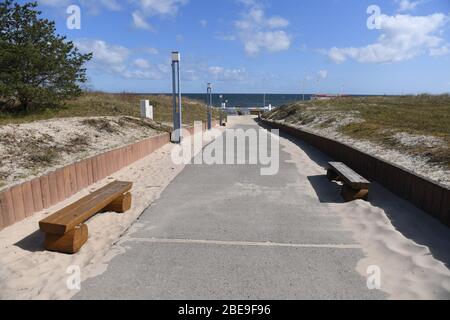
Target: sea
246,101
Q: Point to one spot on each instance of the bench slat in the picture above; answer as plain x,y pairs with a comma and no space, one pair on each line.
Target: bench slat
349,176
71,216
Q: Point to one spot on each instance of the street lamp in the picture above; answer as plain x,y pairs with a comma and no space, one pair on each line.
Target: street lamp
303,88
177,112
220,110
209,103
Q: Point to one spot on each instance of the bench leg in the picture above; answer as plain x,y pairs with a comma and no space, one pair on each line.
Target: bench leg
120,205
332,175
70,242
350,194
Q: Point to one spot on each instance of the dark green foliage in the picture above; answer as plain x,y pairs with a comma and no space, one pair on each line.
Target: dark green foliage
38,68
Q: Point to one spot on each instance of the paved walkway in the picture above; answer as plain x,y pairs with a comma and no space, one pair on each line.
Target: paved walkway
226,232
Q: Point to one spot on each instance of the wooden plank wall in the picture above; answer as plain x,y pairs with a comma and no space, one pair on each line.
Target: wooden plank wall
23,200
431,197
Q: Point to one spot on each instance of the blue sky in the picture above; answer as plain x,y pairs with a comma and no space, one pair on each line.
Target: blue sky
255,46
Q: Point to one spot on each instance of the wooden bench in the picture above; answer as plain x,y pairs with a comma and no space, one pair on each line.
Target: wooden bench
65,230
355,186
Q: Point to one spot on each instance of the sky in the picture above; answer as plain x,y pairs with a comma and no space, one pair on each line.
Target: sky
261,46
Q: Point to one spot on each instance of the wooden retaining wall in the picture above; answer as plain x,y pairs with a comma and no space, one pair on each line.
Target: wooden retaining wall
425,194
23,200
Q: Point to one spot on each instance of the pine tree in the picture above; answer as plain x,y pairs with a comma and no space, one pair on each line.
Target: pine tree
38,68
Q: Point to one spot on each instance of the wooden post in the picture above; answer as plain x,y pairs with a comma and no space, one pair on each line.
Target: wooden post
71,242
120,205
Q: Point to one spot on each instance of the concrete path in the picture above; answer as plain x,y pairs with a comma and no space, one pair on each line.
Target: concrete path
226,232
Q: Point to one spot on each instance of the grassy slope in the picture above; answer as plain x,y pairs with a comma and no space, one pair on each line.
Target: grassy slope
104,104
383,117
94,105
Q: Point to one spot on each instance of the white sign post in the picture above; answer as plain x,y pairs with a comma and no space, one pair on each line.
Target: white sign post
146,109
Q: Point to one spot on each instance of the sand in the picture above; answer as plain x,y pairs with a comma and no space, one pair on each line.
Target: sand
410,247
32,149
29,272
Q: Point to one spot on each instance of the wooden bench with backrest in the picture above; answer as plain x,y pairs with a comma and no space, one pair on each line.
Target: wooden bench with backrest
354,186
66,231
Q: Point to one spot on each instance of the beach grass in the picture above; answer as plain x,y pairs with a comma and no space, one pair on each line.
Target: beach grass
97,104
379,119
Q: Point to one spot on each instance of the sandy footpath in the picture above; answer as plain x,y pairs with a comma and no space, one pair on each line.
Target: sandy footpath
28,272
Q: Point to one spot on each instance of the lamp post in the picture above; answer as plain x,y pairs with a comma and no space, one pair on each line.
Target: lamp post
303,88
226,113
177,116
209,102
220,110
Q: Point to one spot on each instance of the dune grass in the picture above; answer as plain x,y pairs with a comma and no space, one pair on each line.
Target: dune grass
423,114
123,106
380,119
108,104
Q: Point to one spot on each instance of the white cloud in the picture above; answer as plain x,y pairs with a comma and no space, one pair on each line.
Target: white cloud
141,63
140,22
198,70
215,70
143,8
148,8
223,74
204,23
152,50
258,32
322,74
54,3
131,64
111,4
441,51
403,37
114,59
277,22
104,54
161,7
225,37
189,75
93,6
407,5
